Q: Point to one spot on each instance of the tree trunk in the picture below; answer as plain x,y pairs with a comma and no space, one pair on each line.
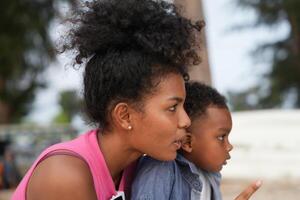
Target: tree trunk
4,107
5,113
193,10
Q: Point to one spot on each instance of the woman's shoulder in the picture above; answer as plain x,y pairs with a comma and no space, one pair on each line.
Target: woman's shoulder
61,177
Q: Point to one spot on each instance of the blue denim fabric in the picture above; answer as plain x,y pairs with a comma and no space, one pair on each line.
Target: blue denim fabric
171,180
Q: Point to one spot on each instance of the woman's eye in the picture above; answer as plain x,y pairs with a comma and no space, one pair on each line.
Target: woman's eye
173,108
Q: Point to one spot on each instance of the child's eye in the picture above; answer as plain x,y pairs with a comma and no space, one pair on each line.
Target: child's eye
173,108
221,138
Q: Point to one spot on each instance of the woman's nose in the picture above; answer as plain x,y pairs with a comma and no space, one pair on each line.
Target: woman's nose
184,121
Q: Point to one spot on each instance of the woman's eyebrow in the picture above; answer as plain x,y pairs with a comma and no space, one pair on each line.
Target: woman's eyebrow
178,99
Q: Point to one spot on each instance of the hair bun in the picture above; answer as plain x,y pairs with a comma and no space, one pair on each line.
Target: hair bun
154,27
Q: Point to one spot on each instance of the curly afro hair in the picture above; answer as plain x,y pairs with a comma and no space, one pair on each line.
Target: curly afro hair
127,46
199,97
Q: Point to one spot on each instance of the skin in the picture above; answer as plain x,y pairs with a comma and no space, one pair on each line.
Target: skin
163,115
194,14
249,191
209,145
153,131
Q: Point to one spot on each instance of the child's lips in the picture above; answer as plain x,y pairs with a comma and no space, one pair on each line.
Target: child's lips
225,162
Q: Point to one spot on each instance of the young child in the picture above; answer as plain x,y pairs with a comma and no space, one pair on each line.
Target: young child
195,174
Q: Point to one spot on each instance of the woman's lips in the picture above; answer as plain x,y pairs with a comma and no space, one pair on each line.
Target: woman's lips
177,144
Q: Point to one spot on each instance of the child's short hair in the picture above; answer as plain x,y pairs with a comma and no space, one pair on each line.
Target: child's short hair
199,96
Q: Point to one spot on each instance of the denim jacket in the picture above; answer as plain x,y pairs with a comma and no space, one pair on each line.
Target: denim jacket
171,180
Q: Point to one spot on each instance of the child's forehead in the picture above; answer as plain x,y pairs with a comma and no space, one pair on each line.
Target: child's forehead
212,116
214,111
206,114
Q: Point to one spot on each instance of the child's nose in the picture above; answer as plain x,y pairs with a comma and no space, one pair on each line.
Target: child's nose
229,147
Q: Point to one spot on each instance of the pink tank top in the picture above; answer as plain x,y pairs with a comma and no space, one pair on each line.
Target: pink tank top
85,146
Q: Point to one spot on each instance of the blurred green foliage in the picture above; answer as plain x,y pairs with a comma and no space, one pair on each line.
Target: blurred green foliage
70,105
26,50
282,82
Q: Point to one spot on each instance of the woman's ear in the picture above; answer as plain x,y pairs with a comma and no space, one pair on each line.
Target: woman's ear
186,143
121,116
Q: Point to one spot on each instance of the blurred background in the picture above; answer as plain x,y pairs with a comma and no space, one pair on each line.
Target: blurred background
251,54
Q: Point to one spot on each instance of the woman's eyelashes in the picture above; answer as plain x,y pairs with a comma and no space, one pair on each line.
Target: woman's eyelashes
173,108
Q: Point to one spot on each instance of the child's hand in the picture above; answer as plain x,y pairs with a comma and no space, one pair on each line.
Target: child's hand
247,193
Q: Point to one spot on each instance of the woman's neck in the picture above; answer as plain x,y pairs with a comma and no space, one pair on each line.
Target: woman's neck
117,153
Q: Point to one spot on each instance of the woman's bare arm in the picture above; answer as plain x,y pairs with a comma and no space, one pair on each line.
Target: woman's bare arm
61,177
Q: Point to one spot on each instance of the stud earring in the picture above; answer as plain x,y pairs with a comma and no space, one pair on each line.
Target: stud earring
129,127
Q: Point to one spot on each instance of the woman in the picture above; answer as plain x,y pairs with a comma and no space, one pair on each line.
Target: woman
134,53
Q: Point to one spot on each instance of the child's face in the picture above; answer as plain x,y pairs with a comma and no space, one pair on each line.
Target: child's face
210,145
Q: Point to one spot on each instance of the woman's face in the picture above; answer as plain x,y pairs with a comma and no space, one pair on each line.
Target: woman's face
158,129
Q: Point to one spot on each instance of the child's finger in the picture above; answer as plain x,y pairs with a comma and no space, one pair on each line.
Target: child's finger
247,193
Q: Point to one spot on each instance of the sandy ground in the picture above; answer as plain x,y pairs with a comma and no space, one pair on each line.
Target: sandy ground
270,190
5,194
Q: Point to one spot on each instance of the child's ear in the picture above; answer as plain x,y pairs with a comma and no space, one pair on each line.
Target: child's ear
186,143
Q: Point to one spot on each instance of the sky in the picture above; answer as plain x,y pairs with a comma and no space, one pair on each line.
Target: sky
232,67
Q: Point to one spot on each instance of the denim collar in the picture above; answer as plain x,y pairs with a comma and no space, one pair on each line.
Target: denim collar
191,173
184,162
